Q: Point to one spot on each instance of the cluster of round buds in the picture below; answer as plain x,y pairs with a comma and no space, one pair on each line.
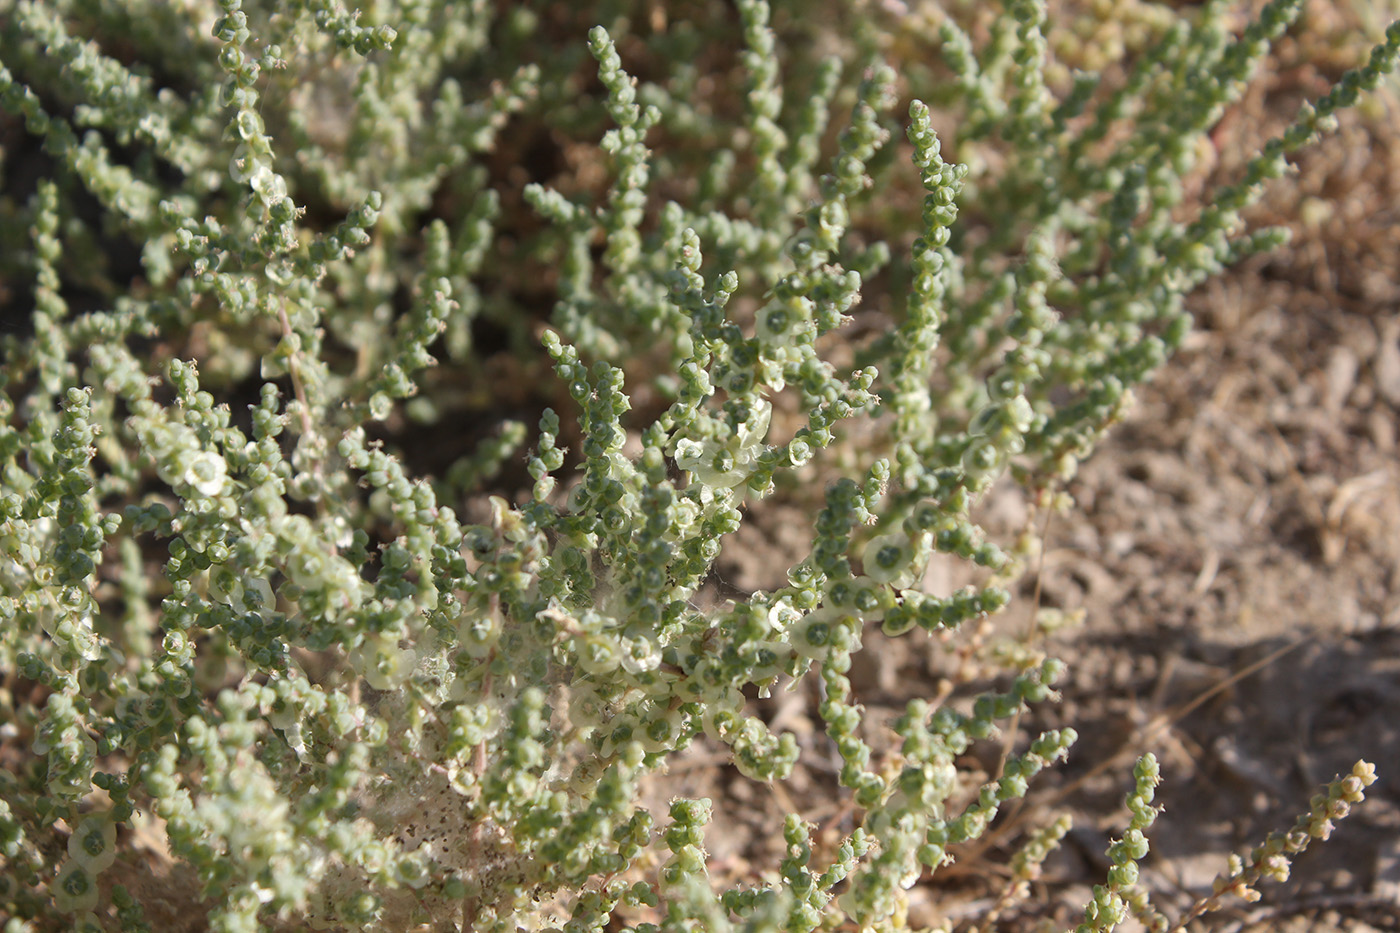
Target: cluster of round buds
723,463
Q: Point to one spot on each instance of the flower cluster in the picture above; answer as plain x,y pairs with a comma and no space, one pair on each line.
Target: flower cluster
273,581
1112,900
1273,859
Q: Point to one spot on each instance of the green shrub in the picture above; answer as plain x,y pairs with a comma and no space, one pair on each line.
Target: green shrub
240,608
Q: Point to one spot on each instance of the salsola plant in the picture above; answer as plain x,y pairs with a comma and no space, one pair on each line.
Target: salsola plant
303,289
